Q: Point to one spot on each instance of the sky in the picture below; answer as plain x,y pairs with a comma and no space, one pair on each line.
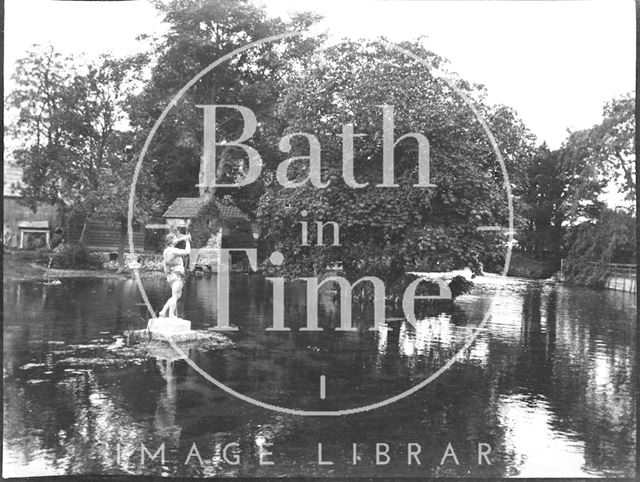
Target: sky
555,62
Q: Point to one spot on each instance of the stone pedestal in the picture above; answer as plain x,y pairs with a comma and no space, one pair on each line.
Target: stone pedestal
162,328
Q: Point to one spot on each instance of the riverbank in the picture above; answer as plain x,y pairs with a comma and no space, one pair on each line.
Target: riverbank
20,265
523,266
23,265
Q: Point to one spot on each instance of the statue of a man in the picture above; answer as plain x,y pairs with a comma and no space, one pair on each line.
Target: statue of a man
174,269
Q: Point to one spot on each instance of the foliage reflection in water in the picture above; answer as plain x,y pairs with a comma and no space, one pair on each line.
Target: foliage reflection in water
548,384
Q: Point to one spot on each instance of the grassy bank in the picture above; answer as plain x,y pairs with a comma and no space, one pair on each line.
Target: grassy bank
524,267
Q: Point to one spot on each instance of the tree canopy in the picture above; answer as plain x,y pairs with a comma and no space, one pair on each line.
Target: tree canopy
384,231
199,34
81,126
568,187
75,147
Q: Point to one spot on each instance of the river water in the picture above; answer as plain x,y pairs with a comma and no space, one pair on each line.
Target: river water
547,386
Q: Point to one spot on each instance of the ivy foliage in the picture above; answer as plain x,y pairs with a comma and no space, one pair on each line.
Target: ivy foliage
386,232
236,232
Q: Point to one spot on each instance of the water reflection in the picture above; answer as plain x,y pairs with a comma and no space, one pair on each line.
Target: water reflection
549,384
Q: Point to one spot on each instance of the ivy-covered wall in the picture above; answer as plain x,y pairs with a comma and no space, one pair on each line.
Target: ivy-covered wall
236,232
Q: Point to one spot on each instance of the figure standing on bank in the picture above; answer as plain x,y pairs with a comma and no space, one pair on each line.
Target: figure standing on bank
174,269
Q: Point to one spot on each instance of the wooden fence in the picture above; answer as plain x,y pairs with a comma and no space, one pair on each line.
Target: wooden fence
617,269
105,237
620,277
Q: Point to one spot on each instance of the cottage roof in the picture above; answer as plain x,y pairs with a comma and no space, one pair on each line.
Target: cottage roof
189,207
184,207
228,210
33,225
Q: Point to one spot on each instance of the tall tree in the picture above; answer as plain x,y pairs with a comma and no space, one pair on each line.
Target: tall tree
541,198
602,235
565,200
385,231
562,188
613,142
201,32
75,146
600,157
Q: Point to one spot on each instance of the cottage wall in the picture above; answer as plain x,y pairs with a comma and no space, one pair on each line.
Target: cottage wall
14,212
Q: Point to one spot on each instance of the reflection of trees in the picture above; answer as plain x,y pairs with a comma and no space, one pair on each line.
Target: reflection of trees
574,354
600,357
75,311
559,356
77,421
285,367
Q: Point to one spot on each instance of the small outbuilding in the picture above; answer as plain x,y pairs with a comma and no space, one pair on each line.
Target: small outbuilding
184,209
24,227
34,234
213,224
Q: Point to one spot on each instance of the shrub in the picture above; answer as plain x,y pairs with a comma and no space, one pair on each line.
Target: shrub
592,246
458,285
75,256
